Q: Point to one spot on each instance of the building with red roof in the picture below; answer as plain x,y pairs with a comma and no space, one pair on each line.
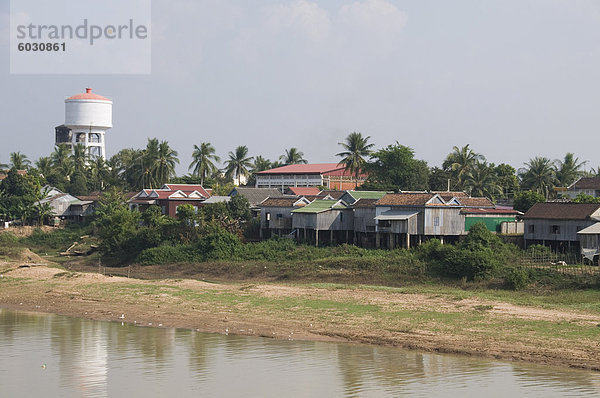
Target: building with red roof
169,197
329,175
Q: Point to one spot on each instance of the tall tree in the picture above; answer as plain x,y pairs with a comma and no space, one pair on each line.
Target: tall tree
79,158
538,176
19,161
394,168
568,170
460,161
482,181
163,168
356,149
293,156
99,173
61,159
238,163
202,163
44,165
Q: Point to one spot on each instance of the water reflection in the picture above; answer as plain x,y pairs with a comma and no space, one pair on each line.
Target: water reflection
99,359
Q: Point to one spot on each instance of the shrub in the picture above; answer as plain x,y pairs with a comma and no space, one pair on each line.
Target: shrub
8,238
166,255
218,246
516,278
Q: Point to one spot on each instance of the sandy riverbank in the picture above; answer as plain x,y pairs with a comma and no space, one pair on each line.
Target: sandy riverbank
423,321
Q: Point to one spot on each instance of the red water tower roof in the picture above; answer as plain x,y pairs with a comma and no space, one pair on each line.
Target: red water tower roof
88,95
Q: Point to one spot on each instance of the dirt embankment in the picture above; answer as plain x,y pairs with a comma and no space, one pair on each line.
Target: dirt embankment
440,323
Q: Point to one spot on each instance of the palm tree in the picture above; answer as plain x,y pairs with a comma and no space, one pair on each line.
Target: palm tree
99,173
80,158
238,163
293,156
356,148
460,161
482,181
19,161
261,164
202,162
3,166
61,160
538,176
44,165
568,170
163,169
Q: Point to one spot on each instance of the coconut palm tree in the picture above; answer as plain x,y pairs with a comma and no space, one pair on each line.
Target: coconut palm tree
44,165
482,181
538,175
202,163
61,160
79,158
293,156
460,161
99,173
163,168
261,164
568,170
356,148
19,161
238,163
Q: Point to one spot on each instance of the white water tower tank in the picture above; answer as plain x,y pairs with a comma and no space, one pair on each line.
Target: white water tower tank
87,117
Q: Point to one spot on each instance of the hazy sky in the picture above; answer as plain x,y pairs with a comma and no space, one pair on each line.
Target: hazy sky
513,78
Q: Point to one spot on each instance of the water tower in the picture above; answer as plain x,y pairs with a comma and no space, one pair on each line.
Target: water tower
87,117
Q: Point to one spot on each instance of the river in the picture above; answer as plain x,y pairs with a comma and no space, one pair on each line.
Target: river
45,355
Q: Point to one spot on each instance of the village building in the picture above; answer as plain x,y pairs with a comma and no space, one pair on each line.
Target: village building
364,222
328,175
276,215
352,196
255,196
406,219
589,241
301,191
556,224
169,197
586,185
64,206
324,222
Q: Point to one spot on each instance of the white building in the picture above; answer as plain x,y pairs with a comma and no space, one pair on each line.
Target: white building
87,117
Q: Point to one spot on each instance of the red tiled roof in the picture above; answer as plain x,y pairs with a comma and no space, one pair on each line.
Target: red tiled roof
448,195
362,202
562,211
317,168
331,192
187,188
405,199
304,190
88,95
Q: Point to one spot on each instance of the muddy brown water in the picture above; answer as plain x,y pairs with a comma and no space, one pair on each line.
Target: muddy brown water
51,355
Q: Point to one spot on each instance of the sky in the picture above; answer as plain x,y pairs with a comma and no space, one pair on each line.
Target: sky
513,79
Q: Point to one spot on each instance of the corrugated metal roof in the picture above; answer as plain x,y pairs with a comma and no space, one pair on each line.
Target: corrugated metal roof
366,194
593,229
319,206
396,215
475,202
304,190
586,183
316,168
405,199
257,195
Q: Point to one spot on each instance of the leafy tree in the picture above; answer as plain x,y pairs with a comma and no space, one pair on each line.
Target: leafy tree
100,173
239,208
18,194
538,176
293,156
525,199
79,158
44,165
356,149
19,161
395,168
438,179
584,198
78,185
568,170
202,163
507,179
61,160
482,181
460,162
238,163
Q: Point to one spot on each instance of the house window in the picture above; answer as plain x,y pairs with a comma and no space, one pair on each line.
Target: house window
279,215
384,223
555,229
341,217
436,221
531,229
268,216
